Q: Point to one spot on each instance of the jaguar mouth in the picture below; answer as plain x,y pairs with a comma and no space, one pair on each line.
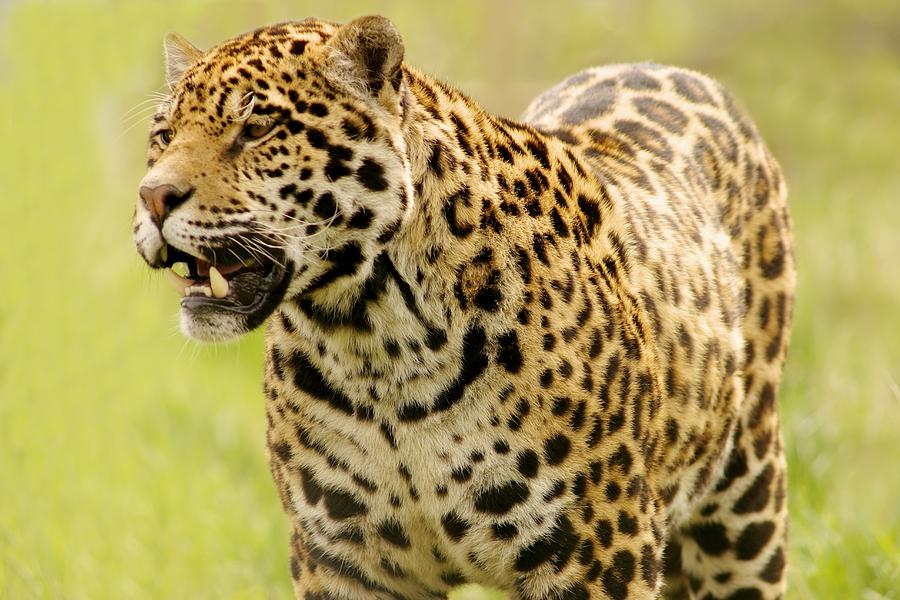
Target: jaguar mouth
242,283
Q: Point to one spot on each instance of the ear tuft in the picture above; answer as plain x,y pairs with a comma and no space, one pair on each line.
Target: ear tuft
367,56
180,56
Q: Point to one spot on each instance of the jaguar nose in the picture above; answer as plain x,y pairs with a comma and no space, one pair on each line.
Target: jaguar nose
163,199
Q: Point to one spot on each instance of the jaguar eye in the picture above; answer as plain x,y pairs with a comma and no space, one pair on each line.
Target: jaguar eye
165,136
254,131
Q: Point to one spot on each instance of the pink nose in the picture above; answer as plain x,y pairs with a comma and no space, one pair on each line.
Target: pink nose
162,199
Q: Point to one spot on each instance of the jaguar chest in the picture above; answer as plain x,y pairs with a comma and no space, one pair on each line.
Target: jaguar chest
428,492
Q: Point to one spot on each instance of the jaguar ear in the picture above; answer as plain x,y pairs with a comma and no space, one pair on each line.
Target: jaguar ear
180,56
366,57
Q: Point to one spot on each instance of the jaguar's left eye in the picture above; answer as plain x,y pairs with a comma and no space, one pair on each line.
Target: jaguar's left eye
254,131
165,136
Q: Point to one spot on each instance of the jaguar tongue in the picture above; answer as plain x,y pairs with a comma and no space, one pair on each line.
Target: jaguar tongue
203,267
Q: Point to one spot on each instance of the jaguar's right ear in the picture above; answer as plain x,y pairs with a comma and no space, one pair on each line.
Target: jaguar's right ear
180,55
366,57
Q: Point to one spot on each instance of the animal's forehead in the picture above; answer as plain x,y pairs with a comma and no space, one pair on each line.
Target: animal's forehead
257,61
271,44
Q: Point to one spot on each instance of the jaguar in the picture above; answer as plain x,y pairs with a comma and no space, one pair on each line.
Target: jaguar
539,355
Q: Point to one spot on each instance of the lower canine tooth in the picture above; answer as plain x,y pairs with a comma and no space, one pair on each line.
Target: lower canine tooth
218,283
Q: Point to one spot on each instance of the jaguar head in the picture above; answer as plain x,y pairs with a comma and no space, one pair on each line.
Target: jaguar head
277,168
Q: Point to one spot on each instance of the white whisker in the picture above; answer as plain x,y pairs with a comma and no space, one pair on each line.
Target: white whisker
326,221
243,110
251,246
254,248
291,236
141,108
129,128
138,116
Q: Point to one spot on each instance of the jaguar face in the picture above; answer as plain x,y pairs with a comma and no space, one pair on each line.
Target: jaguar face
273,153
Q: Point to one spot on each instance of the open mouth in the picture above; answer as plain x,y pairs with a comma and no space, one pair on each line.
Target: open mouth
242,283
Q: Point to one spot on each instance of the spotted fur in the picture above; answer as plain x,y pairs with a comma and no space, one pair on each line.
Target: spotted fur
539,355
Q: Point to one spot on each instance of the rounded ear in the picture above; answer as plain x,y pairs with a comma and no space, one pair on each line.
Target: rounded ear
366,56
180,56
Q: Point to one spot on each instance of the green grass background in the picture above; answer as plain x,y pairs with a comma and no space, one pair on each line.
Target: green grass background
132,462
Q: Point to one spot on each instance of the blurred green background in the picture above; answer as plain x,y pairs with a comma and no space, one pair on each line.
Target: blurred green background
132,462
